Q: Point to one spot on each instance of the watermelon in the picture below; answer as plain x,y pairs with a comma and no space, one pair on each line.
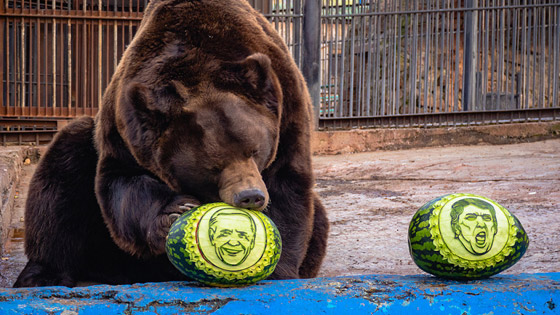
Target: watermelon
465,236
221,245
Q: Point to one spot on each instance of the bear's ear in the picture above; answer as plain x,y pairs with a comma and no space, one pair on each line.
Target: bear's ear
163,100
140,106
138,97
253,77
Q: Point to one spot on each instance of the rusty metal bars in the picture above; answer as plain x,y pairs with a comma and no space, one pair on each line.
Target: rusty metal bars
60,56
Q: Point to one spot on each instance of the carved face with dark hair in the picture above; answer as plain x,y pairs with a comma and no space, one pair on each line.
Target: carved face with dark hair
474,223
232,242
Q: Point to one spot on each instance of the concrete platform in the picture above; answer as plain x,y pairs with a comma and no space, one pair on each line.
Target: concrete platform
520,294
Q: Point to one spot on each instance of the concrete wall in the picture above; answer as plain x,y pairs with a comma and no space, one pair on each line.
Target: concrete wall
363,140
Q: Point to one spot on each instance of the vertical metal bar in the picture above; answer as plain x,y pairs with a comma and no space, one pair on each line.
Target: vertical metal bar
369,69
469,55
403,63
3,49
342,63
84,62
38,58
435,55
413,60
312,52
400,54
45,69
23,64
396,69
486,46
534,62
361,77
457,61
54,54
514,87
60,70
556,52
524,49
441,72
542,58
550,53
377,44
501,57
70,72
427,49
352,66
508,43
297,31
336,76
493,59
100,59
384,60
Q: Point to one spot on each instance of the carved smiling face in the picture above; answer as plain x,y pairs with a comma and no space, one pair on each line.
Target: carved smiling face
232,233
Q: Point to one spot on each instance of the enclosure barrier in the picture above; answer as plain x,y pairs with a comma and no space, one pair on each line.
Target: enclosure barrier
390,58
508,294
364,60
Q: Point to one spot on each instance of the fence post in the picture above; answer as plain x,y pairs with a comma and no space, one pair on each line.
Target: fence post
3,111
312,53
470,55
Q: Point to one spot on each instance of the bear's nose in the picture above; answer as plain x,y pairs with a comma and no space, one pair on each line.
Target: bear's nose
249,199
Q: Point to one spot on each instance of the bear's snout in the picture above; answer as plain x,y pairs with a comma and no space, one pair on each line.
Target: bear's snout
241,185
250,199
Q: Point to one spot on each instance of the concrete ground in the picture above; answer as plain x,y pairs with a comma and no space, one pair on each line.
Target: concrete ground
372,196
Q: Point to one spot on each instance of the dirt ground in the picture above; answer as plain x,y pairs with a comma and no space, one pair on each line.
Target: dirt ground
371,198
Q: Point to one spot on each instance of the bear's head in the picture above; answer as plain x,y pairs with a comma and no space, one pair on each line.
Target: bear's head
206,129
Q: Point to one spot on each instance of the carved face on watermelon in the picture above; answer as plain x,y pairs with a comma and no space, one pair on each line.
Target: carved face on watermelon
232,243
474,223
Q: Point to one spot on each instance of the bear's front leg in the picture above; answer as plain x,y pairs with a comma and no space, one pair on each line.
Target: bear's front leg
137,207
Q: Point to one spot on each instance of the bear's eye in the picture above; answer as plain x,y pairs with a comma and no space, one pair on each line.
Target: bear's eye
252,153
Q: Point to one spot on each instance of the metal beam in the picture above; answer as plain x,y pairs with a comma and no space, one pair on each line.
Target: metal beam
448,119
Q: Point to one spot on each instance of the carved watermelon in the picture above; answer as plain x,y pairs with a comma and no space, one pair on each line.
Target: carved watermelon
465,236
221,245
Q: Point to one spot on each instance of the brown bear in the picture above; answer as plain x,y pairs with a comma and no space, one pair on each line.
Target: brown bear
206,105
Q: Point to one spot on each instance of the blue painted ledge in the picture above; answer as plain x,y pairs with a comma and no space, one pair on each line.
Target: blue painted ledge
507,294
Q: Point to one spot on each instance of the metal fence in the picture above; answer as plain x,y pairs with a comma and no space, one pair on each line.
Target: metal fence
424,63
378,62
58,56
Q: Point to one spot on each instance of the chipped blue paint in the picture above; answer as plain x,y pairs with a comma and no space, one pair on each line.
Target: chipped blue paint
385,294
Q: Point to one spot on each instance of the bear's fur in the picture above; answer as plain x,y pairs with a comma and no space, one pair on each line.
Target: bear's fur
206,105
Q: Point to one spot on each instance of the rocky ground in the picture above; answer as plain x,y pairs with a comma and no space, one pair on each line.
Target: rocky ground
371,198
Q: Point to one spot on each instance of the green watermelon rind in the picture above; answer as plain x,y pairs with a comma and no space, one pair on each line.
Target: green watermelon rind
185,255
428,257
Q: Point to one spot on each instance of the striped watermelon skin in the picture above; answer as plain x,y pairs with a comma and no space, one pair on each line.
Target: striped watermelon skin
424,253
183,254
